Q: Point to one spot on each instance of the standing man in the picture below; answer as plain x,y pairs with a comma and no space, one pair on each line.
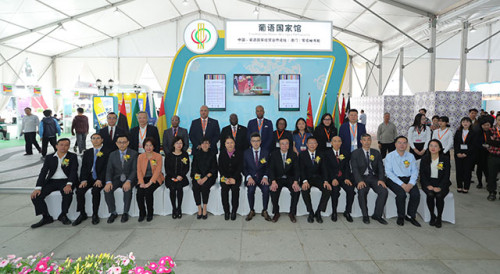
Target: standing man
111,132
121,171
351,133
30,124
284,172
255,170
362,117
139,133
368,172
386,133
423,111
172,132
204,127
238,132
92,175
59,173
80,124
263,126
475,121
402,173
48,129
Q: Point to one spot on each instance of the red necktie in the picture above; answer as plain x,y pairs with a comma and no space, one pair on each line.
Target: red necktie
256,158
111,133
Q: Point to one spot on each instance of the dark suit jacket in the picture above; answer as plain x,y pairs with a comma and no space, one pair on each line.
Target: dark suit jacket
345,135
443,175
322,138
109,144
266,134
175,166
285,135
168,137
276,170
331,167
204,163
151,132
100,163
309,170
114,168
231,167
470,141
241,138
256,171
358,164
50,166
212,132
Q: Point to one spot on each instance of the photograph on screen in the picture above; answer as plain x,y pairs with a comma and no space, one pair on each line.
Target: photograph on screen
252,84
215,91
289,92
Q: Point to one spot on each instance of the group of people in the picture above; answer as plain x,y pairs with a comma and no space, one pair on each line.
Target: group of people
258,156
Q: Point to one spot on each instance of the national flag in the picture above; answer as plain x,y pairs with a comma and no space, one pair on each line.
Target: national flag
155,117
309,121
336,115
148,110
162,121
347,108
342,113
135,110
122,118
324,108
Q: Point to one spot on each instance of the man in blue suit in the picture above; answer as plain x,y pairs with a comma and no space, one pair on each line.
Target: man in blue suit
351,133
255,171
264,127
204,127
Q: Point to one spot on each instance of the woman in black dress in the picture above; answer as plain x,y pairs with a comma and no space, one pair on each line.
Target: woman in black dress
464,144
176,168
230,168
203,175
282,133
324,132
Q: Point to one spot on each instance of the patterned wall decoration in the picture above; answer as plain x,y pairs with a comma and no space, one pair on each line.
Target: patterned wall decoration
374,110
400,109
456,105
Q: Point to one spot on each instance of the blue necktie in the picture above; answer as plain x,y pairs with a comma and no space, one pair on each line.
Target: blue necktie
94,173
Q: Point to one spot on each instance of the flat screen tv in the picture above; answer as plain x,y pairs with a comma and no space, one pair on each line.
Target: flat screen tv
251,84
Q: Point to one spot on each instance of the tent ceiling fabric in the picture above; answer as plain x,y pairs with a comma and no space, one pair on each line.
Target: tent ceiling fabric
108,19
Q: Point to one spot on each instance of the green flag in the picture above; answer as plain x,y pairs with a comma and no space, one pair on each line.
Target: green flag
155,117
324,108
136,109
336,114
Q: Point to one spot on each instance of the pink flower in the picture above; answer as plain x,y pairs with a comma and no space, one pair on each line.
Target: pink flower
171,263
46,259
50,269
131,256
4,263
162,269
153,265
10,257
125,261
115,270
41,266
163,260
139,270
147,272
18,265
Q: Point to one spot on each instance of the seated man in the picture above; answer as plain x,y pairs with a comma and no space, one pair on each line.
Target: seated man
402,173
59,172
284,172
92,175
368,171
255,170
310,162
121,171
337,171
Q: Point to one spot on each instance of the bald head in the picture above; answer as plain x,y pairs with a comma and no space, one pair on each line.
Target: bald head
233,119
336,142
259,111
175,120
204,112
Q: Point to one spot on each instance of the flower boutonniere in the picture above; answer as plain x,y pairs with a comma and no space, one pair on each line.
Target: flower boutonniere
197,176
317,159
184,160
65,162
288,161
263,161
407,163
341,157
223,179
126,157
440,166
153,162
99,154
372,157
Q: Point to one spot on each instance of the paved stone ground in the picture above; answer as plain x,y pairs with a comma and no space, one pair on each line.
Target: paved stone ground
472,245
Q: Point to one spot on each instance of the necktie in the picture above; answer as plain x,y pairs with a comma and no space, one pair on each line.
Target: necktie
370,170
175,131
284,160
121,158
111,133
312,158
94,172
337,156
256,158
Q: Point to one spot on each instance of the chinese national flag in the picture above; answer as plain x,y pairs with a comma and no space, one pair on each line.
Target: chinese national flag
342,114
310,123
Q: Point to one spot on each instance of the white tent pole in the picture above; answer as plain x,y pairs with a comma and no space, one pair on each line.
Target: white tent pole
351,68
432,51
380,87
401,69
488,62
13,70
463,56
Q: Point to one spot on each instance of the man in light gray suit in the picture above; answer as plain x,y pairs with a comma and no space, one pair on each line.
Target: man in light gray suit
368,171
120,172
170,133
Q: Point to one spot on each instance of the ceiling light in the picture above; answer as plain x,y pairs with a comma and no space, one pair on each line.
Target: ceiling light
256,11
185,2
473,29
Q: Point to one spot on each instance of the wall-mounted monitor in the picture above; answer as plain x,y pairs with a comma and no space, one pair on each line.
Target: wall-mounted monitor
289,92
251,84
215,91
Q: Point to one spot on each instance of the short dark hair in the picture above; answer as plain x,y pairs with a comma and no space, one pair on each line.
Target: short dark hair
64,139
205,139
47,112
255,134
112,113
473,109
366,135
311,138
439,144
97,133
425,111
123,136
435,117
149,139
353,110
176,139
79,110
279,119
400,137
27,108
444,119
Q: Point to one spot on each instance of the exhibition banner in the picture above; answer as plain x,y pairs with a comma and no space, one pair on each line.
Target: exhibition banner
102,106
37,90
7,88
57,92
279,35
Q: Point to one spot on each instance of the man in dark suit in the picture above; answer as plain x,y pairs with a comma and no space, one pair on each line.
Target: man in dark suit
59,173
170,133
284,172
368,172
351,133
204,127
255,171
139,133
92,175
263,126
310,162
121,171
238,132
111,132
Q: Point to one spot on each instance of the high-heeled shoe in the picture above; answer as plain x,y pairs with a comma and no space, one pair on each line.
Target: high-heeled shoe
199,216
433,220
204,217
174,213
438,222
179,213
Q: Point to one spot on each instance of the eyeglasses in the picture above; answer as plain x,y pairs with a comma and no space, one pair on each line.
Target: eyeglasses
96,138
122,142
111,118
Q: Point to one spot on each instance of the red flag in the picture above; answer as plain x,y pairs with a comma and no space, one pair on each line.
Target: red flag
162,120
342,114
309,121
122,118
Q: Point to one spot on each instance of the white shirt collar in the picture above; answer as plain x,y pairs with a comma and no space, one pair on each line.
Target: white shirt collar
143,128
55,155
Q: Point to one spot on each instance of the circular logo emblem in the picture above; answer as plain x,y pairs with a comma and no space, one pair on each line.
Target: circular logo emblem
200,36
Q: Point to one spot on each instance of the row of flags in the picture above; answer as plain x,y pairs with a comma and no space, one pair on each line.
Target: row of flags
339,115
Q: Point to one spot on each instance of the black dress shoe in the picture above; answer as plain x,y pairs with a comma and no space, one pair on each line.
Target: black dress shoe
366,220
80,219
179,213
348,217
204,217
433,220
292,218
233,216
276,217
43,221
492,196
26,154
318,217
310,218
226,216
198,216
380,220
265,215
438,222
64,219
174,214
479,186
124,218
400,221
112,218
141,218
95,219
149,218
413,221
334,216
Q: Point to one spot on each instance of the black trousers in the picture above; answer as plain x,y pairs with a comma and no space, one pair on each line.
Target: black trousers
251,194
335,194
386,148
145,196
372,182
493,169
176,193
482,165
418,146
436,199
30,139
202,192
235,197
96,197
46,141
463,170
401,197
325,195
51,186
275,196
